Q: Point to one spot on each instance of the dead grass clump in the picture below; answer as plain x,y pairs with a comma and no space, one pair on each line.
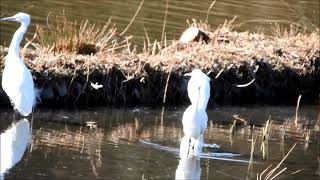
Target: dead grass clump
63,40
65,36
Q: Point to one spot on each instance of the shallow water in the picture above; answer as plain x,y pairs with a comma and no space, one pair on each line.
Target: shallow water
137,143
253,15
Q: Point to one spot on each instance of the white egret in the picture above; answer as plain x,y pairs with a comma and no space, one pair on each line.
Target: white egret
201,81
17,80
195,118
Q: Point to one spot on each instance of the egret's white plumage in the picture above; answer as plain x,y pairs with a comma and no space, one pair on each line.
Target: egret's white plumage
199,80
17,80
195,118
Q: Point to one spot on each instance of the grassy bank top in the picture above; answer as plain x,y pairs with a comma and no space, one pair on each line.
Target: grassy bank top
69,48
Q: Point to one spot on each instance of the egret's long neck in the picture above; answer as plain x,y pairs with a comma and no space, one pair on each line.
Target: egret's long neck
16,40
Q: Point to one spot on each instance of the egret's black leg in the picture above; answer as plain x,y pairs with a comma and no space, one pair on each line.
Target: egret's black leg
189,144
15,116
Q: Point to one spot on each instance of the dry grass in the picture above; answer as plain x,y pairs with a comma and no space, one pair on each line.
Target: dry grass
60,49
64,36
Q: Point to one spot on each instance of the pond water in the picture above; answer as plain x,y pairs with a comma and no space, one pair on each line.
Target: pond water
253,15
144,144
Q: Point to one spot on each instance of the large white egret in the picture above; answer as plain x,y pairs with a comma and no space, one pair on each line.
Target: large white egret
17,80
195,118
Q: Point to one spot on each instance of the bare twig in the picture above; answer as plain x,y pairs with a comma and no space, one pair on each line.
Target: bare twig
164,21
209,9
134,16
166,87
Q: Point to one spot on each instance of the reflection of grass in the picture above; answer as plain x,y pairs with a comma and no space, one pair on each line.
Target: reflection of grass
82,140
297,108
272,173
69,139
253,143
266,131
300,134
317,125
232,128
318,170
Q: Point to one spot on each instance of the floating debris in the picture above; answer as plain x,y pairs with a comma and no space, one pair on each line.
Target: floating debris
96,85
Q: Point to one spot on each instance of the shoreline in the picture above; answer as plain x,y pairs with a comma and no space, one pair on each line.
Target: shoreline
245,68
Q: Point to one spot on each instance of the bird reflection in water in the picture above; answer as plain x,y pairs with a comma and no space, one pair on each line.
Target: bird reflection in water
14,142
188,168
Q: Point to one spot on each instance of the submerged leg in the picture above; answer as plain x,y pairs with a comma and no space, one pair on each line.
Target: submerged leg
193,146
184,147
15,116
198,145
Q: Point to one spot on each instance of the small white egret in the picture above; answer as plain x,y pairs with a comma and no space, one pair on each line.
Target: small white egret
195,118
17,80
200,81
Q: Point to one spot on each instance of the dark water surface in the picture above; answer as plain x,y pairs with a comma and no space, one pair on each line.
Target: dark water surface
253,15
140,143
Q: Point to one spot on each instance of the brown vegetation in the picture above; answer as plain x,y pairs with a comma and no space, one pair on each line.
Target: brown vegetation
79,55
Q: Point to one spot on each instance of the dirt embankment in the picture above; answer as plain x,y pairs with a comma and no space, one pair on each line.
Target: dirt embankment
277,70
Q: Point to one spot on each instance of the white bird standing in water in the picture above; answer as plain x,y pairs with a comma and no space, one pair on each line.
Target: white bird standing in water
17,80
195,118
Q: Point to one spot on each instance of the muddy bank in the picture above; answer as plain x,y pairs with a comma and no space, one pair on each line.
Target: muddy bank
279,69
270,87
147,88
